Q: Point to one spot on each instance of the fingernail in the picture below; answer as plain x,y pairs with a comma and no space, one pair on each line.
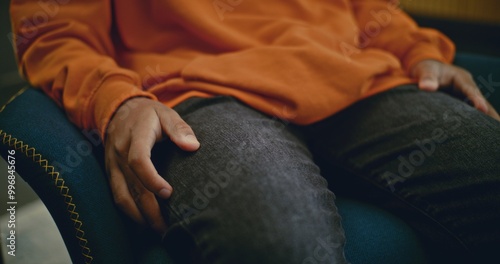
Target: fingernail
483,106
191,140
164,193
430,84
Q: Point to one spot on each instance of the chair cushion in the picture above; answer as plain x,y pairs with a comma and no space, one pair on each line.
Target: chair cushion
376,236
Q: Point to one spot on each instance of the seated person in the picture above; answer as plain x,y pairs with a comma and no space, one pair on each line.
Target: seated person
223,120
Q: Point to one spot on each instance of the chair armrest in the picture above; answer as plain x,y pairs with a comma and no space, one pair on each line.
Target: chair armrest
62,166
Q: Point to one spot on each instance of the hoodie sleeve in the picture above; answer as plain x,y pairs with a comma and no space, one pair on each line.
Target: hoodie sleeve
385,26
64,48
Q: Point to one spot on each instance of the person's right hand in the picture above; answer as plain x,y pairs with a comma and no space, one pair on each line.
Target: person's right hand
136,126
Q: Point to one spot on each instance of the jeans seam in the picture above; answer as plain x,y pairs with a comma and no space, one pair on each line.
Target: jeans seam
183,224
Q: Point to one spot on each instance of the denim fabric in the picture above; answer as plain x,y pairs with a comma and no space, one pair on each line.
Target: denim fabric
428,157
256,191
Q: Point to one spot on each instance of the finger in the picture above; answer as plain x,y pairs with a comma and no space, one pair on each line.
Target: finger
139,161
121,194
427,75
492,112
178,130
464,82
147,204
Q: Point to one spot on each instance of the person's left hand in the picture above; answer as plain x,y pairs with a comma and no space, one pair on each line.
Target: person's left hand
432,74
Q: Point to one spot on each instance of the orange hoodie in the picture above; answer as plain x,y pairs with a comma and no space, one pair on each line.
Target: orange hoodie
301,60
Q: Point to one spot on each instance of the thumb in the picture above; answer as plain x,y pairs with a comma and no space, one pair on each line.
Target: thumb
427,74
178,130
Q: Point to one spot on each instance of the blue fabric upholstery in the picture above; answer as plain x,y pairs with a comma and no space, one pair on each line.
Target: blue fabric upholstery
64,168
375,236
54,158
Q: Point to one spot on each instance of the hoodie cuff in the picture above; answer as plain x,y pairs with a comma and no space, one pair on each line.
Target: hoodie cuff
440,48
113,92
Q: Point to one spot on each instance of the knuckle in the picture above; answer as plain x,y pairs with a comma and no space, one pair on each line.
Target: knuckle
181,127
134,160
137,199
121,149
122,200
137,194
163,110
167,109
142,197
156,225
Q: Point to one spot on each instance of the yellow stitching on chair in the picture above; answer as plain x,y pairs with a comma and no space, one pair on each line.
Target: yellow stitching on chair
13,97
30,152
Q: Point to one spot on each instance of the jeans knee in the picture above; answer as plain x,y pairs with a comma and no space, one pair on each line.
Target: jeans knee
326,249
276,241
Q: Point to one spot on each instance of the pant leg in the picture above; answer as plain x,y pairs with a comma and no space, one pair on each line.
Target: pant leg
426,156
250,194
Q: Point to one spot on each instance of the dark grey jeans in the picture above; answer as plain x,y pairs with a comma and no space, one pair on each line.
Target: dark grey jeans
256,191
